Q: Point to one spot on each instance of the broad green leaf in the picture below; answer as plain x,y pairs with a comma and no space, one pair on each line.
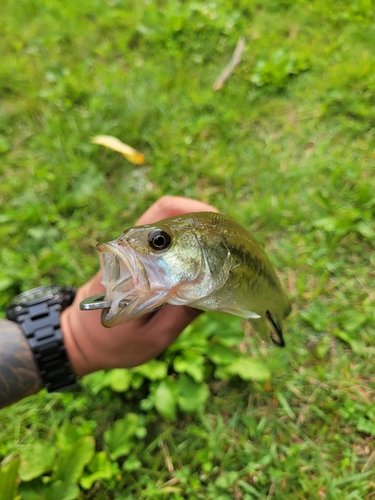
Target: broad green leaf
62,490
317,315
67,435
5,283
132,463
336,224
71,462
141,432
120,437
245,368
352,320
165,400
365,229
36,459
191,396
137,380
221,354
4,144
226,480
228,331
153,370
101,468
366,425
191,363
120,380
97,381
192,337
277,69
27,494
35,489
147,404
350,338
8,479
230,338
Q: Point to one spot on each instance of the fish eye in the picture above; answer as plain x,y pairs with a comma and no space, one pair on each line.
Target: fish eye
159,240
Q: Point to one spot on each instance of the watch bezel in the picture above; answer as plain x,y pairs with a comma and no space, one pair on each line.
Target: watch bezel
42,293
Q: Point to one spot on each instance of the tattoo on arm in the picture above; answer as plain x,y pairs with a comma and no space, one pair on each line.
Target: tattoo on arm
19,374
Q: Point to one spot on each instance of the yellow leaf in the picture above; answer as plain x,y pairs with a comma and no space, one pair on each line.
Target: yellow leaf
115,144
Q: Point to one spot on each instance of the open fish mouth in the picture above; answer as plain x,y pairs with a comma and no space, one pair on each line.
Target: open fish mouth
120,279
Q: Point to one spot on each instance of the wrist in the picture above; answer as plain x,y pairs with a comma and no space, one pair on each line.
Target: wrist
37,313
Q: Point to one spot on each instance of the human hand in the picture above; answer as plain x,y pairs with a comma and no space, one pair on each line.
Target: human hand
92,347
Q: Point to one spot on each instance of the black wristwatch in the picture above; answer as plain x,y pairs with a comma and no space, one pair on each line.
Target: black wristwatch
37,311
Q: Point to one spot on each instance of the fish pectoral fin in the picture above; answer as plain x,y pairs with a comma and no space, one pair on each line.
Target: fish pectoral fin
241,312
253,315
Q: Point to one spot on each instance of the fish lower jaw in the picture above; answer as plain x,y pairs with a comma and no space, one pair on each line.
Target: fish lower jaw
123,301
124,293
119,299
121,306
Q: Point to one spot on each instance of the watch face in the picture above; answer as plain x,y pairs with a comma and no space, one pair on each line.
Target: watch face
36,294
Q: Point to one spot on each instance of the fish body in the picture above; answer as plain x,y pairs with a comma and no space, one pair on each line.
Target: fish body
204,260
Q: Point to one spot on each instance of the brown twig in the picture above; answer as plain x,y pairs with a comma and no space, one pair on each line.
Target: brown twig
272,491
167,458
369,462
368,290
227,71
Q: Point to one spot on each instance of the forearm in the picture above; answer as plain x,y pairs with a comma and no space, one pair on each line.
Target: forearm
19,375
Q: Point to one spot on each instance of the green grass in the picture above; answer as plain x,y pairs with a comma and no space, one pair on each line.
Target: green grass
286,148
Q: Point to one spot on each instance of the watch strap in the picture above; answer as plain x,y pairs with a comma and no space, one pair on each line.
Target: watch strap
40,324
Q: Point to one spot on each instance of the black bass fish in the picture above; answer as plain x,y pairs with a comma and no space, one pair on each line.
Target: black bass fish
204,260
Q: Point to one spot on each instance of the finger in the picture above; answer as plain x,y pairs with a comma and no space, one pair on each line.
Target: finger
168,206
145,342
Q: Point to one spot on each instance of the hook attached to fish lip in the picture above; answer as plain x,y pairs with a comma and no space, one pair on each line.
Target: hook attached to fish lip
97,302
